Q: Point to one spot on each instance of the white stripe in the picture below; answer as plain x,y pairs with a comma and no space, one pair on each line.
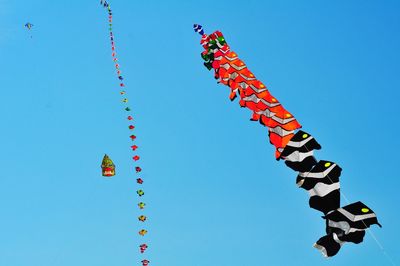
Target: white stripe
342,225
233,75
283,120
297,156
356,218
280,131
336,238
298,144
266,113
322,189
256,89
352,230
238,67
243,85
231,58
318,175
220,45
247,78
300,183
254,98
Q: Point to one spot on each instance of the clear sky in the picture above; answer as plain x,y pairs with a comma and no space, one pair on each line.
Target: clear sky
214,192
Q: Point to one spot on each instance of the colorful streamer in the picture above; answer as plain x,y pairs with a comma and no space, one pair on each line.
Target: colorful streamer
135,158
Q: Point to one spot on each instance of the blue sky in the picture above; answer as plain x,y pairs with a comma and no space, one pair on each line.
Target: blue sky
214,192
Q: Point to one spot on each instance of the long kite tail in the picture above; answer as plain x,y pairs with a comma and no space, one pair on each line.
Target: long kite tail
130,118
296,147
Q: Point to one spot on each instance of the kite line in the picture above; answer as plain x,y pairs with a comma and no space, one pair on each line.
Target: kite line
141,205
296,147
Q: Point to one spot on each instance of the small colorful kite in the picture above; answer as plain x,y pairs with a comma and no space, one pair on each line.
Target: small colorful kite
142,232
142,218
28,25
143,248
107,166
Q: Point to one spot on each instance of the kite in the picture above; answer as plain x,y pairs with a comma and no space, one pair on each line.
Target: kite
320,178
142,232
142,218
143,248
107,165
346,224
28,25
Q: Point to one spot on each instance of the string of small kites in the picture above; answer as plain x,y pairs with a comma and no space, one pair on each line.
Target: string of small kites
108,167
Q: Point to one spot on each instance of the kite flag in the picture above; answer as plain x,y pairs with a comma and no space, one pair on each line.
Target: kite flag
320,178
136,169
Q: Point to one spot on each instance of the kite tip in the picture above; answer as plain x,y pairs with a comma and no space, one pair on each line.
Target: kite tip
198,28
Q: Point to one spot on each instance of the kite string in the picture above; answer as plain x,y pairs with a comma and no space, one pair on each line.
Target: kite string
369,230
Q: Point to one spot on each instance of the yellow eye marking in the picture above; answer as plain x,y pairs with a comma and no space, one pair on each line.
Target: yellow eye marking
305,136
365,210
327,164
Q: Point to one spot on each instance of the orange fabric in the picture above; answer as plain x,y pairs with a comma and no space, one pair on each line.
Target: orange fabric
233,72
278,141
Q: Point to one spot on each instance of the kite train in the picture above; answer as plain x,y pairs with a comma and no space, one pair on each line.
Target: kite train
319,178
108,167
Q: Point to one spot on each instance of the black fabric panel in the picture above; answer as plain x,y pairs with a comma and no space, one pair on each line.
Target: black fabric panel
298,137
354,237
355,209
304,166
327,203
330,245
330,178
